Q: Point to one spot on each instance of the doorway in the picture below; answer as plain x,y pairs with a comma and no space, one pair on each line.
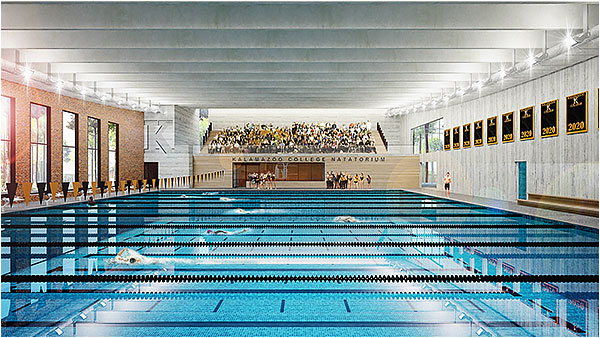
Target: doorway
150,171
522,180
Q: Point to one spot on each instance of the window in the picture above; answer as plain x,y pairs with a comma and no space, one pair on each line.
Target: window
8,142
93,149
70,158
427,137
113,153
40,125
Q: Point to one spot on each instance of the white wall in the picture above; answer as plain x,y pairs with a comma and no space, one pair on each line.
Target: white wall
223,118
566,165
176,129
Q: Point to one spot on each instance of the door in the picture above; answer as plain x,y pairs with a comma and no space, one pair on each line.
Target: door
150,171
522,180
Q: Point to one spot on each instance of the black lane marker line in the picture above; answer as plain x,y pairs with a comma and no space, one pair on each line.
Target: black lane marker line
411,306
153,306
295,278
218,306
288,226
282,306
407,324
347,306
304,244
450,215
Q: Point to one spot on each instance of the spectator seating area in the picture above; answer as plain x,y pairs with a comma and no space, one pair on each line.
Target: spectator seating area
298,138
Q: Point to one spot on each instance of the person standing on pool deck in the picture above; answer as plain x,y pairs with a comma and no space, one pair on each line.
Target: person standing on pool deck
447,181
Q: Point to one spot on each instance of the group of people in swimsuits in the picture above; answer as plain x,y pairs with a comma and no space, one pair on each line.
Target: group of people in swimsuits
262,180
342,180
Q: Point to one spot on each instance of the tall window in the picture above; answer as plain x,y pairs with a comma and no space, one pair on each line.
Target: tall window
8,142
113,154
40,122
93,149
70,147
427,137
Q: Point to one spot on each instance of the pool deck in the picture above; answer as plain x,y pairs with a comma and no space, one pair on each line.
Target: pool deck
586,221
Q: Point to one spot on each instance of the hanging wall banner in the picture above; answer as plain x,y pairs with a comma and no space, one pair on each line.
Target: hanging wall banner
144,182
27,191
492,130
109,186
466,135
53,189
478,133
577,113
65,189
526,124
549,113
76,189
94,185
508,127
447,145
456,137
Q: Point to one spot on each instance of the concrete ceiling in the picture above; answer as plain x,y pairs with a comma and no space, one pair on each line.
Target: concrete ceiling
284,55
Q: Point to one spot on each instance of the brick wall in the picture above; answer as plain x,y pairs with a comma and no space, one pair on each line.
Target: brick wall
131,133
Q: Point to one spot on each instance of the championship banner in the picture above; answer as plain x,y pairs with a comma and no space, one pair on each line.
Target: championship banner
27,191
577,113
94,185
135,183
123,187
526,124
492,130
508,127
53,189
153,184
109,187
467,135
65,189
456,137
549,111
478,133
447,145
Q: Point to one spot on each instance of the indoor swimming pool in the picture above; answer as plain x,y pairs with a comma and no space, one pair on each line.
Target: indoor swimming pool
294,263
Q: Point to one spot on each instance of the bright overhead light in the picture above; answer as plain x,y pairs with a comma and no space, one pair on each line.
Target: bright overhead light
530,60
479,85
460,92
82,91
446,98
27,74
502,73
120,103
60,84
569,41
103,98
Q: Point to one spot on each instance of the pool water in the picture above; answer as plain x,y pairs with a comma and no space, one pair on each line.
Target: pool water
411,265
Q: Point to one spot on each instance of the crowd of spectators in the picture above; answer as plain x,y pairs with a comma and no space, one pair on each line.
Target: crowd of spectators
343,180
299,138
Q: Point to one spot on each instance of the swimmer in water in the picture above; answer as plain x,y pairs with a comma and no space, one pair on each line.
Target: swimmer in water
128,256
183,196
346,219
91,201
225,232
226,199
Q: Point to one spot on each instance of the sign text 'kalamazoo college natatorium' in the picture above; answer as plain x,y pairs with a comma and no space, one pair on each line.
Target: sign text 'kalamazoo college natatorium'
288,158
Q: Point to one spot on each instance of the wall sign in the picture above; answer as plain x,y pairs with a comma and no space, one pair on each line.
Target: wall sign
478,133
492,130
456,137
549,111
447,139
577,113
467,135
508,127
526,121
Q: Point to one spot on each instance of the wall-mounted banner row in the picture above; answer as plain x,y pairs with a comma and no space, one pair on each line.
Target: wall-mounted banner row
576,122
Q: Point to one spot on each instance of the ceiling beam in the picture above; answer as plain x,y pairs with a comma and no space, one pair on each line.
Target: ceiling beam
292,15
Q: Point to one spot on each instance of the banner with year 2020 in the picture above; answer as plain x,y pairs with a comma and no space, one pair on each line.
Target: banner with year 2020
492,130
478,133
508,127
526,124
447,145
577,113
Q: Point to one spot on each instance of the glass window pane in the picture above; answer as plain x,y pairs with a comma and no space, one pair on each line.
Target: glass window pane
5,175
69,129
68,164
112,166
6,123
112,136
